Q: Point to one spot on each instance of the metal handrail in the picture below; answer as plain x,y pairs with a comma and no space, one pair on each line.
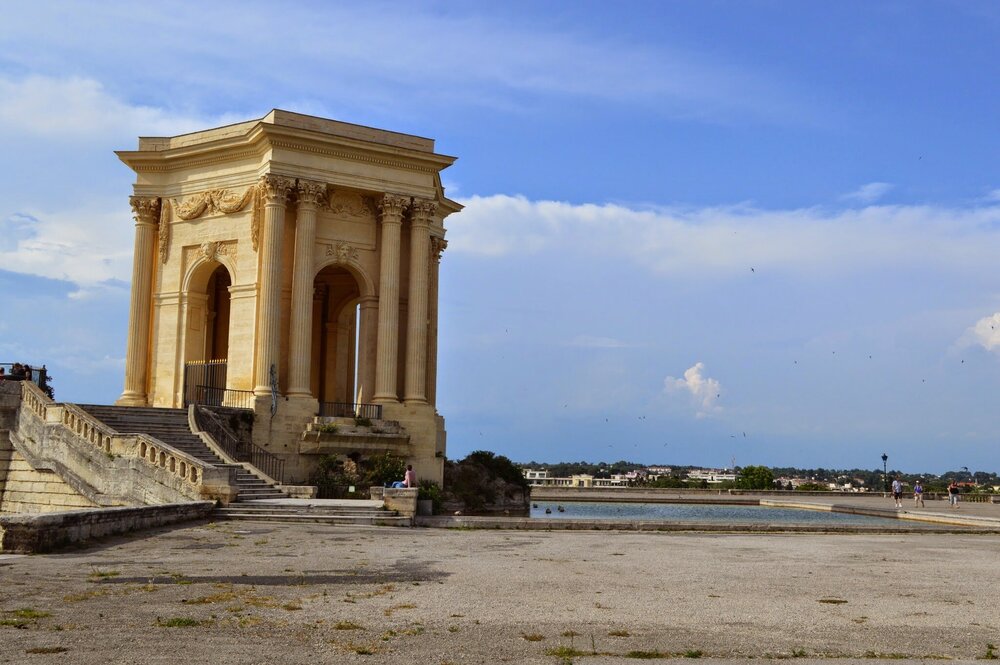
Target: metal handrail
228,397
350,410
237,448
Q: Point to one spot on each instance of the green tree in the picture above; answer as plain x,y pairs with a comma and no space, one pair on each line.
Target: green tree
755,478
382,468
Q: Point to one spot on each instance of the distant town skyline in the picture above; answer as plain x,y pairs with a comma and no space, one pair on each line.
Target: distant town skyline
694,231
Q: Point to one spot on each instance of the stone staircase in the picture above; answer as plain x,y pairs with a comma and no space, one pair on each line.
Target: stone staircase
358,512
171,427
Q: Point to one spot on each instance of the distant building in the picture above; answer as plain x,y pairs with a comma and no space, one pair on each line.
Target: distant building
712,476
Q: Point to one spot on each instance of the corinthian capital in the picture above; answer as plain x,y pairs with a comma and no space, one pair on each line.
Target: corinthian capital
423,211
145,210
438,245
391,206
310,192
275,188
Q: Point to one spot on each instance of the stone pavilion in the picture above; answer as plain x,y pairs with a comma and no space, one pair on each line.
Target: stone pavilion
290,265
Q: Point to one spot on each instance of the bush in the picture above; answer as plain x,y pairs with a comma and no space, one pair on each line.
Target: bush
382,468
484,479
499,466
430,491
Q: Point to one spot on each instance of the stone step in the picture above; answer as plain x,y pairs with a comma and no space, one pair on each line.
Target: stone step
363,510
235,513
171,427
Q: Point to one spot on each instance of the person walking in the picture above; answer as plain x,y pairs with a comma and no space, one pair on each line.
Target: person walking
953,494
918,495
897,492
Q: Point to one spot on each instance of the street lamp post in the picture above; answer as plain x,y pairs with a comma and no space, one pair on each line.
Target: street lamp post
885,471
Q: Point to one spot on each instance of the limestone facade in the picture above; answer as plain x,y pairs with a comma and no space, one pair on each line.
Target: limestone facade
302,254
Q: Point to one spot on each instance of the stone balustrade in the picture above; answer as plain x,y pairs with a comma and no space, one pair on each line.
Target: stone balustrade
177,474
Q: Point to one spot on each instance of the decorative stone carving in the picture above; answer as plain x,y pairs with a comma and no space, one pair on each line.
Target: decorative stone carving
422,211
438,245
311,192
214,201
212,250
145,210
391,206
164,235
275,188
343,252
270,189
209,250
352,205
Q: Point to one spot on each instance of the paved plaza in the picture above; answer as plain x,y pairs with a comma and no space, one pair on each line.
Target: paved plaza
256,592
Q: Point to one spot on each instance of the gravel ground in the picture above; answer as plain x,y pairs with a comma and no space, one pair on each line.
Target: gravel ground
255,592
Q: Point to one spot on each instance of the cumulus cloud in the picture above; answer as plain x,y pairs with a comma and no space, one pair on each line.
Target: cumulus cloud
82,109
71,245
15,229
869,193
985,333
723,240
702,390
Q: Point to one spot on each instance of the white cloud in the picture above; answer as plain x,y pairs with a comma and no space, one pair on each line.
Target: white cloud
869,193
703,391
993,195
81,109
485,59
15,229
87,246
985,333
727,240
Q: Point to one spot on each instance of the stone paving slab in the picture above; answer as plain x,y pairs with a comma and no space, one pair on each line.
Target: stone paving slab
253,592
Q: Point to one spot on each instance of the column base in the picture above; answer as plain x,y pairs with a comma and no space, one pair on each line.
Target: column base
130,398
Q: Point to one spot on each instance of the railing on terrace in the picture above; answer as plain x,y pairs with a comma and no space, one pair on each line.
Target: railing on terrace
350,410
19,372
238,449
235,399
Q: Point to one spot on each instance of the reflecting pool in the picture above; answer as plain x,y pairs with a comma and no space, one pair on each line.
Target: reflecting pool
703,513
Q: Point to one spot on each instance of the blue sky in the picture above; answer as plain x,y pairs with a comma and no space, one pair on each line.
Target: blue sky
694,231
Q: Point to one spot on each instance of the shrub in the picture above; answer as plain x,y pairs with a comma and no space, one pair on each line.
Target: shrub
430,491
382,468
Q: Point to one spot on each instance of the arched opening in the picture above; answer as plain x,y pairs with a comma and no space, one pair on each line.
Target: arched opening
217,327
335,336
207,306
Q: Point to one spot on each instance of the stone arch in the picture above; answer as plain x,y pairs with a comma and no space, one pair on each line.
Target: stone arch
200,271
338,289
365,283
205,331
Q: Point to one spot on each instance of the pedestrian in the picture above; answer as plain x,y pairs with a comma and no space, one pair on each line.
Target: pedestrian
953,494
410,477
918,495
897,492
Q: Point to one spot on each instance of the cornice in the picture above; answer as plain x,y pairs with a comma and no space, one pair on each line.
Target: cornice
263,137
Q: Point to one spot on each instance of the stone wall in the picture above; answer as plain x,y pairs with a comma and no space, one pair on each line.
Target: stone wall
30,534
59,456
24,489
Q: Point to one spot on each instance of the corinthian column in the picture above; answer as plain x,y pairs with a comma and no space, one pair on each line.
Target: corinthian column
300,342
416,330
268,338
387,344
438,246
145,211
